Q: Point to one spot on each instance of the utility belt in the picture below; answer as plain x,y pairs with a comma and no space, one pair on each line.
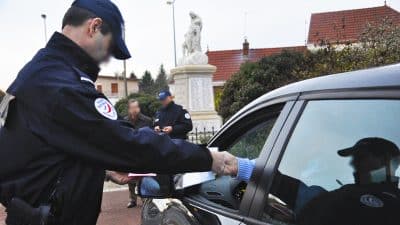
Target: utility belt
21,213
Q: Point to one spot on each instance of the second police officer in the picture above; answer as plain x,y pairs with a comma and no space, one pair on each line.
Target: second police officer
172,119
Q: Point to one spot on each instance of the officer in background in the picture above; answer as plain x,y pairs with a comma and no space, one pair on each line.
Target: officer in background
58,135
138,120
172,119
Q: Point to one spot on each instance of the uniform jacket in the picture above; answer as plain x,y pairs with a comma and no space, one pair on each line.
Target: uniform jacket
60,132
174,115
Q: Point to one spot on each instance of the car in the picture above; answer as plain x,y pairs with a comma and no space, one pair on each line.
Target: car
294,131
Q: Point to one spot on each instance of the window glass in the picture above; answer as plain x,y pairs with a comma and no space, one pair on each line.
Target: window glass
114,88
246,138
339,166
251,143
99,88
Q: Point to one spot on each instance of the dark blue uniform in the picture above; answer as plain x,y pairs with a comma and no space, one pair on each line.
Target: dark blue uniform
175,116
61,135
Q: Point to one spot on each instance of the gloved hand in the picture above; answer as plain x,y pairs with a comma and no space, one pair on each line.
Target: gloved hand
224,164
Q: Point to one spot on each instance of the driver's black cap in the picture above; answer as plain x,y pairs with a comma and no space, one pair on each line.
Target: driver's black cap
373,145
110,13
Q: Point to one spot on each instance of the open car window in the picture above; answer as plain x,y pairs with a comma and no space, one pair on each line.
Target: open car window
245,138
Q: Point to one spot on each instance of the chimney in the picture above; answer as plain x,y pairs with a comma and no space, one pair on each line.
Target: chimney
246,49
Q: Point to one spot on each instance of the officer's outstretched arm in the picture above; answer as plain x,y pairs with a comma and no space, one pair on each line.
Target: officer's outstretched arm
85,125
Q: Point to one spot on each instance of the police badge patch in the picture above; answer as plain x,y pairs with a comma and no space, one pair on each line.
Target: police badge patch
105,108
371,201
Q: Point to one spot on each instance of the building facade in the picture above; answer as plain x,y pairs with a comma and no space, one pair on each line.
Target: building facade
113,87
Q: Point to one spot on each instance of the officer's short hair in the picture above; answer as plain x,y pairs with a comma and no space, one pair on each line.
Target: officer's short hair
76,16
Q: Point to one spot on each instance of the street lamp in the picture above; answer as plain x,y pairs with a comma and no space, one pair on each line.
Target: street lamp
125,81
173,24
45,27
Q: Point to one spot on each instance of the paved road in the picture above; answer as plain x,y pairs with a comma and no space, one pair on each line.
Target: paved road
114,211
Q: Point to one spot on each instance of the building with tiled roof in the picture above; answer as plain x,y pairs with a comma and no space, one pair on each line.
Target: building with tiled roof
335,27
346,26
228,61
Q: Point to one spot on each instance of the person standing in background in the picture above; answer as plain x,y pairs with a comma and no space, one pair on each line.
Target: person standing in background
172,119
138,120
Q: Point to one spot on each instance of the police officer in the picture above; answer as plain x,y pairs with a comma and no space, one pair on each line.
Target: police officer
172,119
58,135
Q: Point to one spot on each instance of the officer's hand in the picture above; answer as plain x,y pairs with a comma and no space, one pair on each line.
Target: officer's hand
167,130
224,163
119,178
157,129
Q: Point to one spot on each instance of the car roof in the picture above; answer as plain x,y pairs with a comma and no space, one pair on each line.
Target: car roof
385,76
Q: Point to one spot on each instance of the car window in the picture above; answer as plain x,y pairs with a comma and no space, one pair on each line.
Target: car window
250,144
340,165
244,138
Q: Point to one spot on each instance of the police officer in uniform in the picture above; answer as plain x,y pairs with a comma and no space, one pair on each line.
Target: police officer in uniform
58,135
172,119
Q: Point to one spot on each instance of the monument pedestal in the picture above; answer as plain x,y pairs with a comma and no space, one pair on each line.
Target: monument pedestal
194,91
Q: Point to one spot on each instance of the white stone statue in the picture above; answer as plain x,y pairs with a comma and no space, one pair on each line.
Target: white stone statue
192,53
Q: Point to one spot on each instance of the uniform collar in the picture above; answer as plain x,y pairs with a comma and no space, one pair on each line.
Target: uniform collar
169,105
74,54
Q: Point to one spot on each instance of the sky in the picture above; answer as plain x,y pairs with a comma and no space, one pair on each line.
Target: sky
149,31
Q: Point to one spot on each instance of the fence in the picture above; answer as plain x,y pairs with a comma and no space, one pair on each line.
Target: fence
201,136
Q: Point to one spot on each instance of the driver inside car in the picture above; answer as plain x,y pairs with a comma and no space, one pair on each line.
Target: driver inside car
374,198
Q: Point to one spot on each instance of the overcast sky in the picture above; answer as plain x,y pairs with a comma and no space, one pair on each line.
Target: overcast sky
149,27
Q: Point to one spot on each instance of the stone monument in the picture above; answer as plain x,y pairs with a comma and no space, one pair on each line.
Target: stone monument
193,80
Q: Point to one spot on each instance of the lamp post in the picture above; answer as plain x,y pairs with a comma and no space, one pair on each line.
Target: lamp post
125,80
45,27
173,25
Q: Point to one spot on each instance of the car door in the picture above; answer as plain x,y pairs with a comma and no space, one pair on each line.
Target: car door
318,173
248,137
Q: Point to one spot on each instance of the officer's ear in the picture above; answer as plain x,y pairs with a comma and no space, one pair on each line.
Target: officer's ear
94,26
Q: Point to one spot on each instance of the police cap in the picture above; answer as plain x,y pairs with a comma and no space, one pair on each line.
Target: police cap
110,13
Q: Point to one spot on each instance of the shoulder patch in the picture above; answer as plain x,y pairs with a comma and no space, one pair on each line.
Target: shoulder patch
371,201
187,116
105,108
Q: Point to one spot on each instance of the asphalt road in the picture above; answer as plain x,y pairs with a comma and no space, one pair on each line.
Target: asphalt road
114,211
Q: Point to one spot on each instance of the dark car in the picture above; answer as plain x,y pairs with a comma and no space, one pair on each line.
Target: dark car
295,131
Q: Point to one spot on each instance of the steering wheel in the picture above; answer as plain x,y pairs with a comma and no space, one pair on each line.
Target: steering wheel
225,191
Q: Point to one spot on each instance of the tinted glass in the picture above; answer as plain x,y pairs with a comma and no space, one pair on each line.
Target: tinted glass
251,143
316,185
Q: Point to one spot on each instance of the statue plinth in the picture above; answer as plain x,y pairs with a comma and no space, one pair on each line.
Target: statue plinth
194,91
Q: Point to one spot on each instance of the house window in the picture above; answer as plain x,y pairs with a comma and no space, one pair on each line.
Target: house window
99,88
114,88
